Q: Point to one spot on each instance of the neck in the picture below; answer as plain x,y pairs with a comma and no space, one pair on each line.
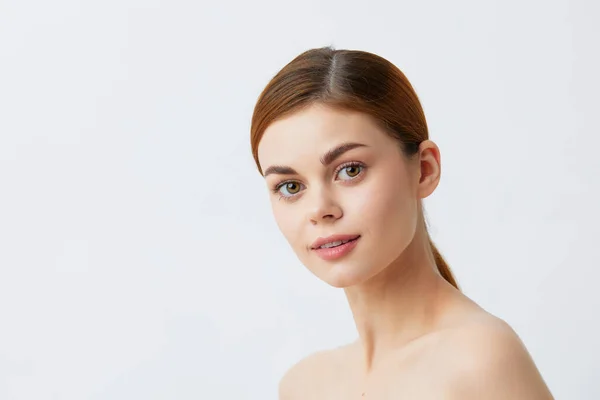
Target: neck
399,304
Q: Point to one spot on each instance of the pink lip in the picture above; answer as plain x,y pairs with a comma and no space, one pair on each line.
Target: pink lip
333,253
333,238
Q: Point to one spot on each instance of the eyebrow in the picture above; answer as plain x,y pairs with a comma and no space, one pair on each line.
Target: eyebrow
327,159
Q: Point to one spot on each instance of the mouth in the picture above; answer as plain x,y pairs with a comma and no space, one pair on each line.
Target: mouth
333,241
335,247
336,243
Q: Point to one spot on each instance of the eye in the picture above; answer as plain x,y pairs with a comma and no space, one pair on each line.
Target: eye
350,170
292,188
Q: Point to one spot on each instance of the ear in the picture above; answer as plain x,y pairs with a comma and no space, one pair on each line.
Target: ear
430,168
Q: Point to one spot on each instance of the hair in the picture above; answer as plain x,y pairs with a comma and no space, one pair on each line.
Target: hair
350,80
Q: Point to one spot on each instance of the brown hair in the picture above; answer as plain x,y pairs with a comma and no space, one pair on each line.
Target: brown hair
352,80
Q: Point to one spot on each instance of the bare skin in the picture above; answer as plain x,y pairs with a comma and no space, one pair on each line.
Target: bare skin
455,350
419,337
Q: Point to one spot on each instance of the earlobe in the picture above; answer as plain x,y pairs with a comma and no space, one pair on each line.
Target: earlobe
430,168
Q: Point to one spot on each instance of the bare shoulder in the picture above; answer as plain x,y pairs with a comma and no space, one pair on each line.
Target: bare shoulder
295,382
490,361
313,374
307,376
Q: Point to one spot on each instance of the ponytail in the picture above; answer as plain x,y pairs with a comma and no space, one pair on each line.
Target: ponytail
442,266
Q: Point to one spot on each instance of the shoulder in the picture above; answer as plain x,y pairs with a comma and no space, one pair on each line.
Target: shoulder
309,375
490,361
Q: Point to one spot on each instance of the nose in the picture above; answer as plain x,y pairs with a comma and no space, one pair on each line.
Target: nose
323,208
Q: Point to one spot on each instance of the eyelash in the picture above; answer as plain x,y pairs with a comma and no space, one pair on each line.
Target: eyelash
350,164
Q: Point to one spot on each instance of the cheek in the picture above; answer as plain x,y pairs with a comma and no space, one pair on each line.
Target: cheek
389,212
287,222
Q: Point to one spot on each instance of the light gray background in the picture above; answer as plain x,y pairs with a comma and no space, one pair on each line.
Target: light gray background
138,255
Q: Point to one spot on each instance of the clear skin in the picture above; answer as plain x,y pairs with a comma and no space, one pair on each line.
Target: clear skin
418,336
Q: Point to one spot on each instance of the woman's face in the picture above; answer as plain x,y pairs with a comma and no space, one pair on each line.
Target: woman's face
336,175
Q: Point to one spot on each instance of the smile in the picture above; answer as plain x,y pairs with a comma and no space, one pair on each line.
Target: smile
336,243
334,250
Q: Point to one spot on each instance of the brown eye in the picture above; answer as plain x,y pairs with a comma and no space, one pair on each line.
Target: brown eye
351,172
292,187
289,189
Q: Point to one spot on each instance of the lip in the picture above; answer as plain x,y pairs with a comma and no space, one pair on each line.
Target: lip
335,253
329,239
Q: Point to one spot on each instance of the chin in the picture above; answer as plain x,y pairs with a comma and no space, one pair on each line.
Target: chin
343,275
340,284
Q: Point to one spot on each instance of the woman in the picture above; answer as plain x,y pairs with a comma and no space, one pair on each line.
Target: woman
342,141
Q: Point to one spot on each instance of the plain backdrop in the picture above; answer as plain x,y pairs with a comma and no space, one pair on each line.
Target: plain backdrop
138,255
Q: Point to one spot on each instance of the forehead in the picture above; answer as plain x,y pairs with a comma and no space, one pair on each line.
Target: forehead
310,132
